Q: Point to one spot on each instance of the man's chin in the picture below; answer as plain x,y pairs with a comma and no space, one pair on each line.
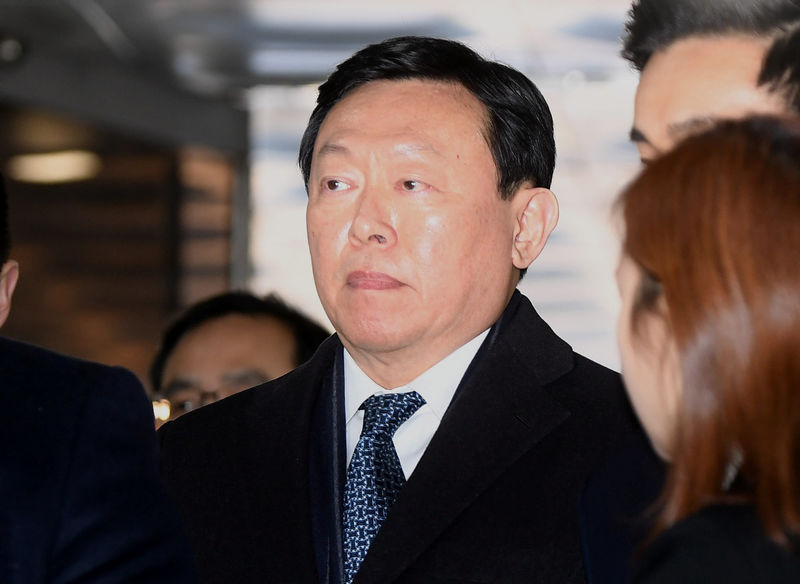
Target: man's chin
375,336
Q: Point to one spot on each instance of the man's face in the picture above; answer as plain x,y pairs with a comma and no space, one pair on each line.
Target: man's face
410,242
223,356
9,273
693,83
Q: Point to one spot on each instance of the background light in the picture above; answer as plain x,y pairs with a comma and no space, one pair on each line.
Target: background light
161,410
54,167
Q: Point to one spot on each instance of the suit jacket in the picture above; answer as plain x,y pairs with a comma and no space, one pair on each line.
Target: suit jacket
493,499
81,499
720,543
617,509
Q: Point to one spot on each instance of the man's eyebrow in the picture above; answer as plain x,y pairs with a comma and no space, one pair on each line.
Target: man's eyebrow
332,148
178,384
244,375
637,136
691,126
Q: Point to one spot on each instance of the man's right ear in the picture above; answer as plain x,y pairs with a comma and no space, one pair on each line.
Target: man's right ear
8,282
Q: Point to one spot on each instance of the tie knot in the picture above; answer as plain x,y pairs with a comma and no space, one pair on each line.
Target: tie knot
384,414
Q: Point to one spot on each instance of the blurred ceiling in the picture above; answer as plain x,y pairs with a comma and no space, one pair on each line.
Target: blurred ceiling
220,47
178,71
211,47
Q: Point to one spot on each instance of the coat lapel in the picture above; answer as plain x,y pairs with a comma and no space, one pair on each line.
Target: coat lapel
499,413
279,451
327,467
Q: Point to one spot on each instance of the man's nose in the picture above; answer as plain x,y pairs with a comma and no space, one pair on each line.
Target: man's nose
374,219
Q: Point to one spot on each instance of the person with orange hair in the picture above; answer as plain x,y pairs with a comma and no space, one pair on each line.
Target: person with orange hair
709,334
700,62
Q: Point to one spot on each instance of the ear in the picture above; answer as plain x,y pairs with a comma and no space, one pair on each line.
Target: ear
8,282
536,215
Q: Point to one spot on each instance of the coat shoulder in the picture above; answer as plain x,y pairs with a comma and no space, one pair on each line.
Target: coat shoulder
597,388
718,543
40,372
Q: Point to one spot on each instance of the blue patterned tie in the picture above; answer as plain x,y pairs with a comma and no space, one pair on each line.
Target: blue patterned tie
374,477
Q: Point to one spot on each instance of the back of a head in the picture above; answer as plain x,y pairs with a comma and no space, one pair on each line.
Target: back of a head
519,127
653,25
714,226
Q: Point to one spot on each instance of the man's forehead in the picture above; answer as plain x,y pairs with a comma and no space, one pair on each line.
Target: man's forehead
410,117
406,146
732,53
691,84
704,63
685,115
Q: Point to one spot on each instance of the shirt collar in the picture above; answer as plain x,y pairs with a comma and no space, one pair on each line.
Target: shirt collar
436,385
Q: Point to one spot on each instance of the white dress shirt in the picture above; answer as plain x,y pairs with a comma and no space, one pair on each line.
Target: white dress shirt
437,386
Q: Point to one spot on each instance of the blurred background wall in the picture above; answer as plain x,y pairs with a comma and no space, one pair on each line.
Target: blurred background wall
149,148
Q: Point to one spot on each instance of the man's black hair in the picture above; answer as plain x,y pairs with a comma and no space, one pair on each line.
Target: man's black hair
781,69
519,127
654,25
307,334
5,230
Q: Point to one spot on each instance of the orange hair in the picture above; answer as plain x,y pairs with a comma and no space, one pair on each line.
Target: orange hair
714,226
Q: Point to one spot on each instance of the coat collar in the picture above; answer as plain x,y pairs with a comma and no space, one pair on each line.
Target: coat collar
502,394
278,426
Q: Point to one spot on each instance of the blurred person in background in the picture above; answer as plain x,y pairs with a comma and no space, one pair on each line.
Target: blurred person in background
701,61
227,343
81,499
709,335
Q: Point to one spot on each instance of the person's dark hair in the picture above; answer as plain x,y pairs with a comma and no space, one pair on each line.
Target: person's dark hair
519,127
308,334
714,226
5,230
654,25
781,69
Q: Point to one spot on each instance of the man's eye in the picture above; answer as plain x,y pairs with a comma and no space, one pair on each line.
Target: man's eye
335,185
412,185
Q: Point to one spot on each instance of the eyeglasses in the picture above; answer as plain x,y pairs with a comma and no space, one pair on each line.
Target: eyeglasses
186,397
166,409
